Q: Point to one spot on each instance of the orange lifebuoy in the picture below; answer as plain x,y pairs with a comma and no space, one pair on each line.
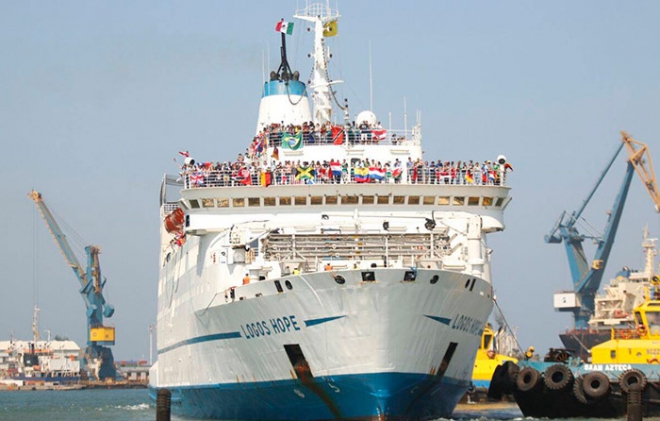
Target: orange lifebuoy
641,330
625,334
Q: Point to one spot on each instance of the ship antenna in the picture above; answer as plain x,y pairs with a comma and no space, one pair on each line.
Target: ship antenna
319,15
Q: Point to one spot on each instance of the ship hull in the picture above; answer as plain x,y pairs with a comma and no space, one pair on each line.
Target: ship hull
391,396
388,349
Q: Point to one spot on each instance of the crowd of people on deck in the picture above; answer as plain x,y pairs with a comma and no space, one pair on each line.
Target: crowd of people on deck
243,171
291,136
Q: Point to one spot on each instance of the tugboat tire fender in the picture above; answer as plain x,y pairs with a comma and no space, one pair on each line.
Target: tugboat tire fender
596,385
557,377
578,391
528,379
512,371
630,377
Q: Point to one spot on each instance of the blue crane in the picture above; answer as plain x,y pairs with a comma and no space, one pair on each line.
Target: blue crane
587,276
98,356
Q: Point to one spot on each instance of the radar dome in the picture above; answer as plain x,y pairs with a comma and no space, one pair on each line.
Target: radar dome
367,116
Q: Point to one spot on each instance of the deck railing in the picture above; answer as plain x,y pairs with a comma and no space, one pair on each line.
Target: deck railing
258,177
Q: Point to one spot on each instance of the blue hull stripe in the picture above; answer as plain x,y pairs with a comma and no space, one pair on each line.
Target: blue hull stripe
199,339
360,396
314,322
443,320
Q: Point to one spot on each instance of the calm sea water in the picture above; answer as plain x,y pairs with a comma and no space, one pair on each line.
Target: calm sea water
134,405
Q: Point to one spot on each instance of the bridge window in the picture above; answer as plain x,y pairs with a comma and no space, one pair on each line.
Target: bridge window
331,200
316,200
473,201
443,200
269,201
367,200
349,200
238,202
413,200
458,201
300,200
429,200
499,202
253,201
488,201
208,203
285,201
194,204
383,200
223,202
398,200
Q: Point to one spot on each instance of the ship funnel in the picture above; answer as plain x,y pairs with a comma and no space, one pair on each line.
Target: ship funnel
284,98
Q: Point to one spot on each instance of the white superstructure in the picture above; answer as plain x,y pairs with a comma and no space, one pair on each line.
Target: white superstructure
356,289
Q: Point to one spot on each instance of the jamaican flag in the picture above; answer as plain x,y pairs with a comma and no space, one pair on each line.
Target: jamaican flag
292,141
305,173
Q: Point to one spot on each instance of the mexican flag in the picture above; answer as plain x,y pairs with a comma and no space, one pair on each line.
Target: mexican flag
284,27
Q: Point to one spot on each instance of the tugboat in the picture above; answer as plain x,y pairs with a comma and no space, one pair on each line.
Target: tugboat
599,389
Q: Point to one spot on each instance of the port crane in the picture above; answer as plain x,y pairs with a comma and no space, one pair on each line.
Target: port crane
98,355
588,276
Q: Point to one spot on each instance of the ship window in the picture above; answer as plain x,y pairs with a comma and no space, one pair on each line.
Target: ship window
285,201
429,200
208,203
410,275
486,340
194,204
316,200
253,201
278,286
413,200
349,200
383,200
368,277
399,200
223,202
473,201
331,200
287,283
443,200
499,202
613,354
458,201
367,200
238,202
488,201
300,200
269,201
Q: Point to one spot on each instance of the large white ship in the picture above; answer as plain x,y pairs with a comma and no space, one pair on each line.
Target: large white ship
322,277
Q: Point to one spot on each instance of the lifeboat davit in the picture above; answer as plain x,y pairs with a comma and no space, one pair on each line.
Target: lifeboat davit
174,220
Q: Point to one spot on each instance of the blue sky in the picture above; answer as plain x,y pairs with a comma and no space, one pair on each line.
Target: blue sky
96,98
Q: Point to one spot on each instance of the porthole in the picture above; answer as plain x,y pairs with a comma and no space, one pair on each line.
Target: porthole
434,279
340,280
467,283
288,284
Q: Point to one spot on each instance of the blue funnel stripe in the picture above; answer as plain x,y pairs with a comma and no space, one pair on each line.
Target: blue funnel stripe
314,322
278,87
199,339
442,320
